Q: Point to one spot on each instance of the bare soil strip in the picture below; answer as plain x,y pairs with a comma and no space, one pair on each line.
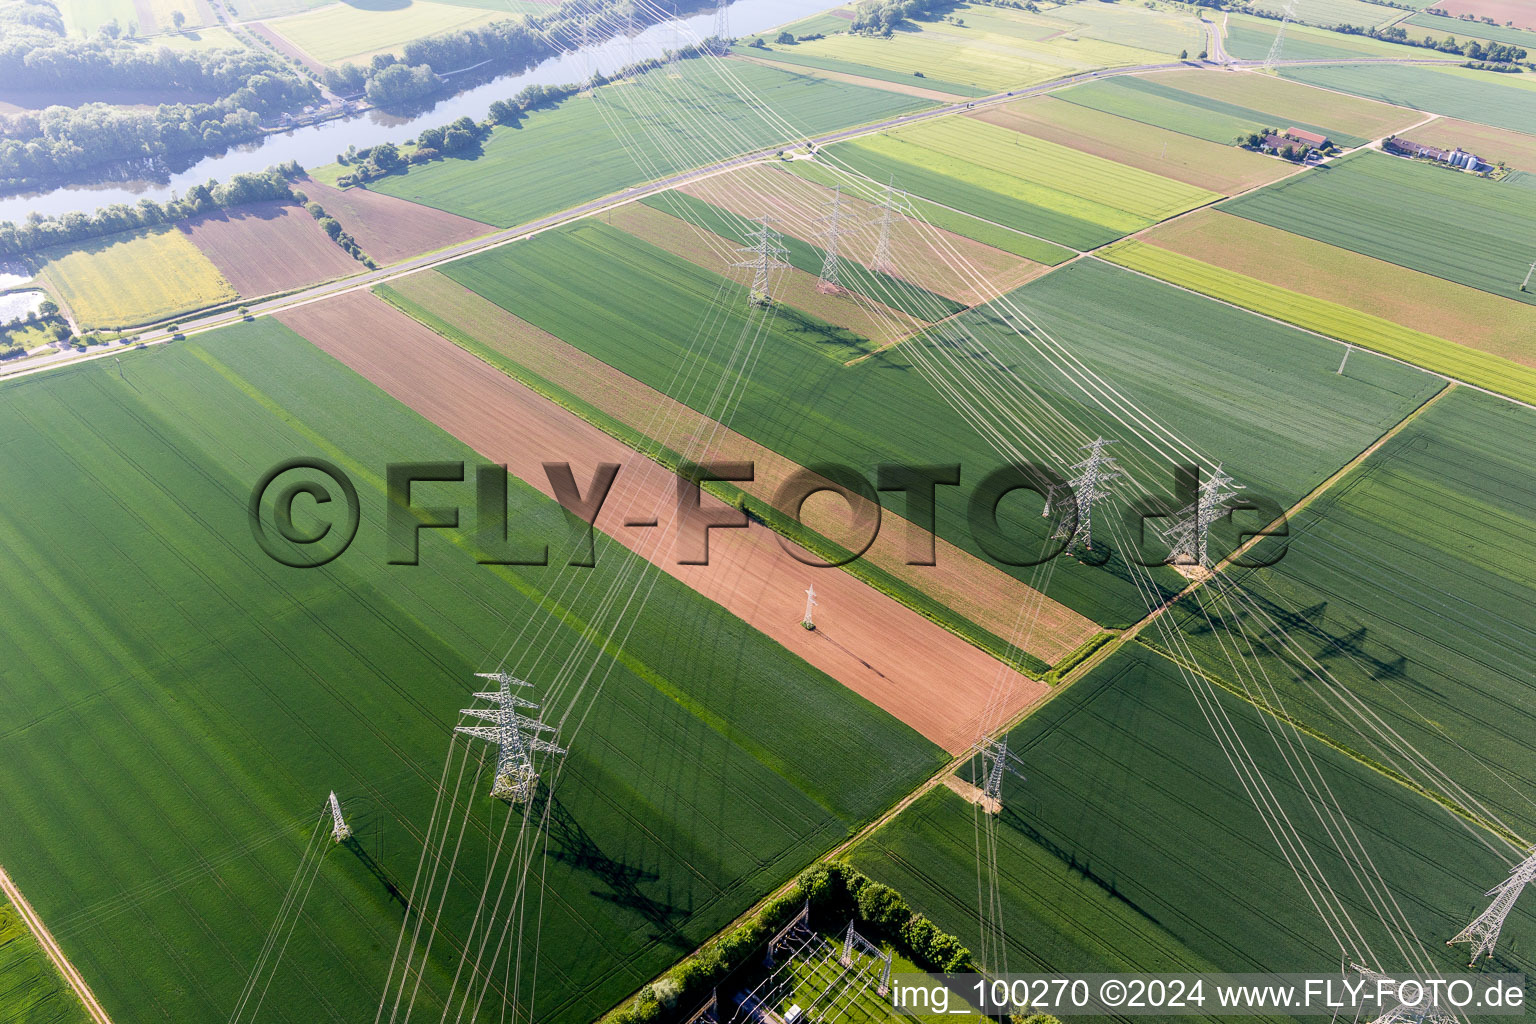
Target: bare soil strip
391,229
266,248
973,588
842,76
45,939
919,672
797,204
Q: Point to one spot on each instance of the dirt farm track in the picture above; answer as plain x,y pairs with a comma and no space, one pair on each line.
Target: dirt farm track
916,670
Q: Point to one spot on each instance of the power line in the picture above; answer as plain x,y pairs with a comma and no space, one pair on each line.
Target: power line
518,736
1484,931
766,252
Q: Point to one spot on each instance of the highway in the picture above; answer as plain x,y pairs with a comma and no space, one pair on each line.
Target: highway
1217,60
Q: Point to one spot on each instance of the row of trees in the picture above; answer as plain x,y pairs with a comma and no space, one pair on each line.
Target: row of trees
512,43
1471,49
332,227
39,232
228,94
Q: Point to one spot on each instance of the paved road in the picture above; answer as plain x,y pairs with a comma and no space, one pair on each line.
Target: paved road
373,277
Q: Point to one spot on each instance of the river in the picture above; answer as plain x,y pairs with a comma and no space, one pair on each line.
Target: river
318,145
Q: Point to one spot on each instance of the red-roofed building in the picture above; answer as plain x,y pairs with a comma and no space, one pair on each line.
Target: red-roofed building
1312,139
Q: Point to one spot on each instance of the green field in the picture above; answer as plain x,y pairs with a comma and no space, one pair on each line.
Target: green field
1018,181
812,410
1152,101
1164,32
134,277
800,55
979,50
1455,226
802,255
1335,12
31,990
1443,26
219,697
632,132
1455,92
1412,582
339,33
1134,847
1337,321
984,231
1250,38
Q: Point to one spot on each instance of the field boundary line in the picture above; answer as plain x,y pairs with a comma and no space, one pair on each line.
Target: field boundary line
55,954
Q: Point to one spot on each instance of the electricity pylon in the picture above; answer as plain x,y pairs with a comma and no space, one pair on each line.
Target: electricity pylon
882,261
810,603
1188,537
1528,274
832,261
1279,44
723,24
995,761
766,253
1484,932
1427,1011
1091,484
340,830
518,736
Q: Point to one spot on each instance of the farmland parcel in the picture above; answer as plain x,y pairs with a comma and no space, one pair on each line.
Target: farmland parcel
1028,184
526,172
133,278
813,410
1411,582
223,695
1135,846
1418,215
1456,92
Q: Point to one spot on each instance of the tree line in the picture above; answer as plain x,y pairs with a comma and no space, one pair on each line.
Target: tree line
882,17
39,232
60,142
1472,49
513,43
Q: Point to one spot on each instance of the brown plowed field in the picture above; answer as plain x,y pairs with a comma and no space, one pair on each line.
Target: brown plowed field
925,255
1224,169
973,588
919,672
1521,12
391,229
268,247
864,317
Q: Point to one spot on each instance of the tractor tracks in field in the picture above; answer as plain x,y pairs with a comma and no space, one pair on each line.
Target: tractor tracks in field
45,939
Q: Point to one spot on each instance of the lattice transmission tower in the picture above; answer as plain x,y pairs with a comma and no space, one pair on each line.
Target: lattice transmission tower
1278,45
1090,485
996,762
518,737
1528,274
1484,932
340,830
882,261
767,252
831,263
1188,536
723,25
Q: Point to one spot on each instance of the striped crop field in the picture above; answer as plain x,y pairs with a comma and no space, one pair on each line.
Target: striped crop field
1026,183
1135,845
1503,101
1330,318
1429,218
1221,110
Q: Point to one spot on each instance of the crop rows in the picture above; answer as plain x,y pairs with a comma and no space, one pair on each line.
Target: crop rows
1330,318
1418,215
222,696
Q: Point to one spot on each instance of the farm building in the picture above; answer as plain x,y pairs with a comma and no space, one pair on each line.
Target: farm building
1455,157
1278,143
1310,139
